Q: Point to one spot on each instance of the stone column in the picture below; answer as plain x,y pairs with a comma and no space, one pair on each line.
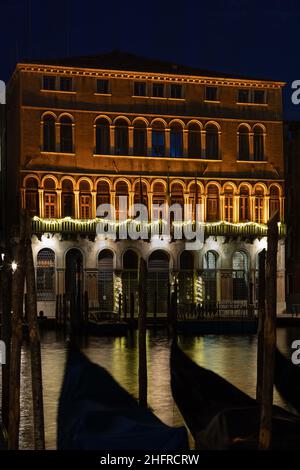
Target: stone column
130,140
41,202
112,139
203,143
236,208
58,203
149,141
23,198
185,142
77,208
222,207
266,208
167,142
94,204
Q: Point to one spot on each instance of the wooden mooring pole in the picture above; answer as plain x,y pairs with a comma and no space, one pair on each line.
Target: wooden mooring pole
261,322
35,345
265,433
142,372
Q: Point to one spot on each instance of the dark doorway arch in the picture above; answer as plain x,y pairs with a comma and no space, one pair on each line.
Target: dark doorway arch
158,282
106,280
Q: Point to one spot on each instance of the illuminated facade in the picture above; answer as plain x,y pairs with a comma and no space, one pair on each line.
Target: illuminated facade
85,131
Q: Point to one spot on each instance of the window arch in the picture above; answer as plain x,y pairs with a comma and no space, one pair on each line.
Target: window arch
258,144
274,201
228,203
67,198
121,137
158,198
194,193
32,196
121,203
176,140
102,136
103,193
141,193
259,205
45,274
212,142
210,260
158,139
85,200
66,134
212,203
240,270
244,143
49,144
50,199
244,209
177,194
194,140
140,138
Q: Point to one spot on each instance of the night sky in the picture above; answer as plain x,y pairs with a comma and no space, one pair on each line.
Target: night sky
259,39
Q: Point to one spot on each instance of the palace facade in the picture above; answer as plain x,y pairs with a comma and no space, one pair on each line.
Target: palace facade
85,131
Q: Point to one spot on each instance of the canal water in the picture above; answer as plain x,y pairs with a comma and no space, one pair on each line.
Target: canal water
233,357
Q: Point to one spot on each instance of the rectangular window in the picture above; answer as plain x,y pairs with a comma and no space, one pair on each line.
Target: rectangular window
228,206
244,96
65,84
259,96
49,82
176,91
158,90
85,205
259,209
140,89
211,93
50,206
103,87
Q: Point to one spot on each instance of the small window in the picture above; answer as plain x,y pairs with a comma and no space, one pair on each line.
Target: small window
259,96
158,90
211,93
140,89
176,91
243,96
103,87
65,84
49,82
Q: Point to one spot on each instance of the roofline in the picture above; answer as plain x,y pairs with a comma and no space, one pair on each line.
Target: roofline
22,65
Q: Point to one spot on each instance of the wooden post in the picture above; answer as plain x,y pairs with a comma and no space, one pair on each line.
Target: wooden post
142,334
86,307
35,346
261,322
18,279
265,433
6,336
57,309
131,309
120,307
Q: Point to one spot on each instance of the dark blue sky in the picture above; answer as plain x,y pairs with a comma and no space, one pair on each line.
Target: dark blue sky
255,38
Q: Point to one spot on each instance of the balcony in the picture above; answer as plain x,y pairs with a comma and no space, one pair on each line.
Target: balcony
89,227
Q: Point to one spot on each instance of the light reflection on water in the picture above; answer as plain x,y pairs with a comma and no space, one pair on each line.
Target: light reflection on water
233,357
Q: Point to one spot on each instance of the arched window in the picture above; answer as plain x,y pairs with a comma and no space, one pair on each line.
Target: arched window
158,199
49,133
45,274
140,138
240,276
194,140
176,140
209,277
194,193
212,204
212,142
121,137
259,205
258,144
274,201
66,134
177,194
103,193
122,200
244,210
85,200
244,143
32,196
228,203
158,139
50,199
141,193
105,281
102,137
67,198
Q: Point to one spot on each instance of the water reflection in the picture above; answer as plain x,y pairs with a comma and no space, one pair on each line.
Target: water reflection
233,357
